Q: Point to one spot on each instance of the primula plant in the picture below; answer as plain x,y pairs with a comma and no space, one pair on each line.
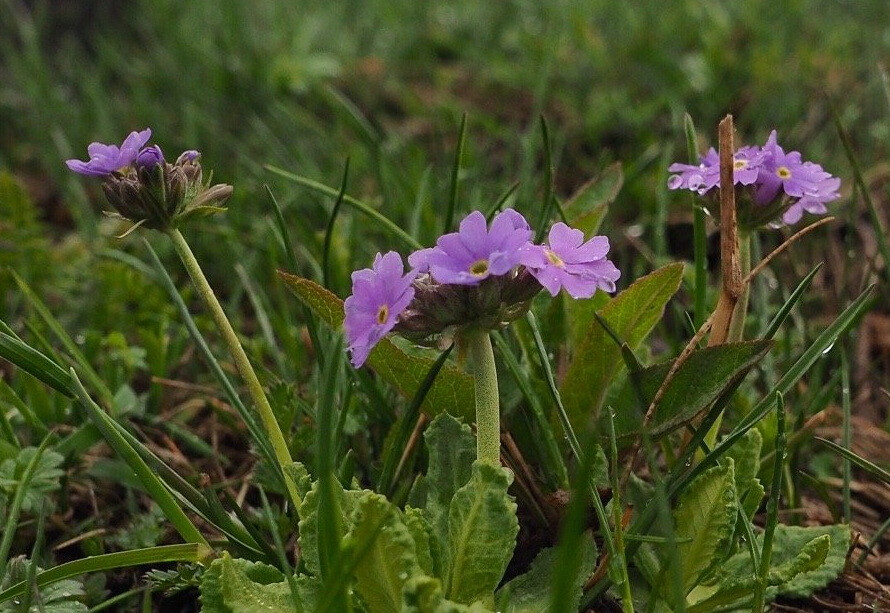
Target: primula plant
588,475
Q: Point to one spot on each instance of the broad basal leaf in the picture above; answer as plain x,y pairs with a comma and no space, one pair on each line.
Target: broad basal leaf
422,533
308,527
240,586
482,534
531,592
805,567
790,541
384,553
451,447
597,358
423,594
700,380
452,389
704,522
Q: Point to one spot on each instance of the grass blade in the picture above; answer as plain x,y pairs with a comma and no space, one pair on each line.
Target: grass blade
71,347
35,364
358,205
189,552
455,175
795,296
329,231
866,465
15,506
699,234
399,442
257,433
147,477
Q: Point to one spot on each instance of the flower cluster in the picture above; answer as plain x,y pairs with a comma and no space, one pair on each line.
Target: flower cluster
771,183
481,276
147,190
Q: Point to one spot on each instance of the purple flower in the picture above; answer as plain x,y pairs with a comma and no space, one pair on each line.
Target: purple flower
187,156
106,159
706,175
574,265
149,157
379,295
475,252
786,172
814,203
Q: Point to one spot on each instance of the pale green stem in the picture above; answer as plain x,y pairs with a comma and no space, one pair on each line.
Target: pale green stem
485,377
242,363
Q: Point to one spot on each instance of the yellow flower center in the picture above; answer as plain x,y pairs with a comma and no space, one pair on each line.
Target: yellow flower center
783,172
479,268
740,164
383,314
554,259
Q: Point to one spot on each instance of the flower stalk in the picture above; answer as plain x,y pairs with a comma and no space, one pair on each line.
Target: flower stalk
242,363
477,343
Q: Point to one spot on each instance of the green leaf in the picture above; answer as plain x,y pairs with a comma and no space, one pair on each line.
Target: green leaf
745,454
308,526
423,594
706,515
482,534
790,542
422,533
240,586
385,555
63,596
632,314
699,381
452,390
189,552
451,447
530,593
35,364
811,558
44,478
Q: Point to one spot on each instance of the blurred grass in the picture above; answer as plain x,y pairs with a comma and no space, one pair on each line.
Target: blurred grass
302,85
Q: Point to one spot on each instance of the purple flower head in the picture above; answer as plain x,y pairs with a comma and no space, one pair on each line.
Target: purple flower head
149,157
475,252
706,175
574,265
814,203
106,159
379,295
187,156
786,173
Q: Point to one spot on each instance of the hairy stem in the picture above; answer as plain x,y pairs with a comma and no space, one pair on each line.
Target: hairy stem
485,377
242,363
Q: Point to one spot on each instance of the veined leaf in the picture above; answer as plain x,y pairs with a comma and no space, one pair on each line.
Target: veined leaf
422,533
452,449
530,593
632,314
705,514
482,534
451,391
699,381
384,553
790,541
809,558
234,585
423,594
